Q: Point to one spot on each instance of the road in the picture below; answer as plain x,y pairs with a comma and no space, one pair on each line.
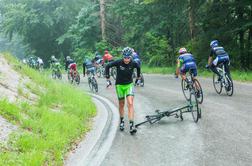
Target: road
222,137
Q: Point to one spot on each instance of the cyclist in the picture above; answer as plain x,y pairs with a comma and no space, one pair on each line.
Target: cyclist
136,58
40,63
185,62
107,57
220,55
89,65
53,61
71,66
124,85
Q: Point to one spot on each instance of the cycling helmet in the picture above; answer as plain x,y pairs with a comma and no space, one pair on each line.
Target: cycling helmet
53,57
68,58
182,50
106,51
214,43
127,52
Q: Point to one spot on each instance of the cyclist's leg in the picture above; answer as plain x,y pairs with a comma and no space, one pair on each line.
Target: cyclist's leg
130,99
121,99
214,65
183,71
226,66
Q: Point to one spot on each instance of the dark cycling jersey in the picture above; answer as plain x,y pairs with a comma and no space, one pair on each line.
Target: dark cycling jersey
68,62
217,51
124,71
89,65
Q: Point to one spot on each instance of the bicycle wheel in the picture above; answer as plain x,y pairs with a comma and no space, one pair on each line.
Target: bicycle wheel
185,89
59,75
230,87
217,84
54,75
95,85
90,84
99,72
77,78
194,107
113,73
142,80
199,91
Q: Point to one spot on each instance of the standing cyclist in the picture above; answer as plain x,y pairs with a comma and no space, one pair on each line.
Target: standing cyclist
124,85
220,55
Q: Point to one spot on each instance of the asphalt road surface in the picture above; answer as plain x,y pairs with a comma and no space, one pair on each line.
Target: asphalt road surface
222,137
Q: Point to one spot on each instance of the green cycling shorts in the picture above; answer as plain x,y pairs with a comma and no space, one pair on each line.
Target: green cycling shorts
124,90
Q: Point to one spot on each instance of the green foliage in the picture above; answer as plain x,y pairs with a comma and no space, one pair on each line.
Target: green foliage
49,126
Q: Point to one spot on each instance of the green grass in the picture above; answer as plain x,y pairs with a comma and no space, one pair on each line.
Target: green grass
237,75
50,126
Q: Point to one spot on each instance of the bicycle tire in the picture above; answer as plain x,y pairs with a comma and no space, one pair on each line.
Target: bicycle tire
95,85
77,78
194,107
142,80
200,91
90,84
184,89
217,84
230,82
113,73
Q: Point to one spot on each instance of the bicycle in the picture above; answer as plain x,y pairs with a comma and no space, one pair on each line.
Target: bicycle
92,83
141,79
56,72
100,71
225,82
191,85
74,78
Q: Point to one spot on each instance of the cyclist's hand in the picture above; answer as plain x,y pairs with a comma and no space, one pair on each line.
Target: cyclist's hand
138,81
207,66
109,83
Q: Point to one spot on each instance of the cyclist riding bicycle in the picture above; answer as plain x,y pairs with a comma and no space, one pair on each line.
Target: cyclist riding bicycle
53,62
89,65
71,66
124,85
107,57
40,63
136,58
220,56
185,62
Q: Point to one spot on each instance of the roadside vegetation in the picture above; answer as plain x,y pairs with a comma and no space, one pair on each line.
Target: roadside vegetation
243,76
49,126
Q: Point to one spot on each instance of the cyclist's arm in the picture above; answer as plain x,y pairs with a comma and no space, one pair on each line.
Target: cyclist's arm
138,69
84,68
109,65
179,61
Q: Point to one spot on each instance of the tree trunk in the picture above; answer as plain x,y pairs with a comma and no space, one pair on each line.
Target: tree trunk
249,50
103,20
191,17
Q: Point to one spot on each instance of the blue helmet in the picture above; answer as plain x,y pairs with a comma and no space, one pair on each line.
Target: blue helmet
127,52
214,43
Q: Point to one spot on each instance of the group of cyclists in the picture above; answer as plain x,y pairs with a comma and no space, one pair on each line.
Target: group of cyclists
218,55
130,60
34,62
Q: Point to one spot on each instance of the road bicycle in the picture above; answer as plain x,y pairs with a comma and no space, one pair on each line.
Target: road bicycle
225,81
92,83
192,85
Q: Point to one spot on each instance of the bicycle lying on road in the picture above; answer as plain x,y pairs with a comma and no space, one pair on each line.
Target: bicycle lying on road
191,107
225,82
191,85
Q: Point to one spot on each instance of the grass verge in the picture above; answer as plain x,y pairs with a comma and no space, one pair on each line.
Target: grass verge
48,127
242,76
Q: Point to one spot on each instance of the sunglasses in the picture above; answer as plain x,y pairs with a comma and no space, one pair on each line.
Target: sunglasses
126,57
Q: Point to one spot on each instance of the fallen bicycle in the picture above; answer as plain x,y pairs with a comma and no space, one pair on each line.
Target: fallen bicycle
177,112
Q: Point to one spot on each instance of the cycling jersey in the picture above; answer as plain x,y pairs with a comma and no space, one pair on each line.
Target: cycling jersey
186,63
68,63
124,71
89,65
220,55
107,58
